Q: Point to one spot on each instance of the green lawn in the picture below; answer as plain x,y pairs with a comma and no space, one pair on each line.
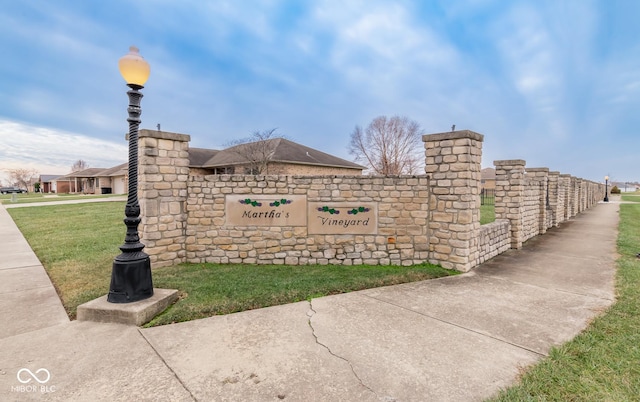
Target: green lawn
632,197
487,214
77,244
21,197
40,197
602,363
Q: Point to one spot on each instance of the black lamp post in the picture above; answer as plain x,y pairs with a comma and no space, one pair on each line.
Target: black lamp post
131,273
606,189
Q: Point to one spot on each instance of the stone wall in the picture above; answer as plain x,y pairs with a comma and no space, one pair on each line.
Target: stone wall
494,239
398,206
534,199
334,219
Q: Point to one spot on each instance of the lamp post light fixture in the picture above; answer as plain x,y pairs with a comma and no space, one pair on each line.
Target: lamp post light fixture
131,273
606,189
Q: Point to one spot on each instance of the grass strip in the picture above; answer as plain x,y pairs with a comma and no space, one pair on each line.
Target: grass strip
77,244
487,214
211,289
633,197
603,362
39,197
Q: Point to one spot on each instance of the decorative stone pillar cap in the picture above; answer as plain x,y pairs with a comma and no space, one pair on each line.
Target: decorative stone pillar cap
510,162
538,170
453,135
164,135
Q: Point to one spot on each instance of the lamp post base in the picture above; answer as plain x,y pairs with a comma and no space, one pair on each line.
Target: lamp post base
130,281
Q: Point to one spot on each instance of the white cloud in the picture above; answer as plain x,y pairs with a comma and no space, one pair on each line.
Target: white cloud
539,79
52,151
385,43
531,57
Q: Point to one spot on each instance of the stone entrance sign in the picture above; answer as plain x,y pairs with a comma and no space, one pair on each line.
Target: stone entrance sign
266,210
189,215
293,210
343,218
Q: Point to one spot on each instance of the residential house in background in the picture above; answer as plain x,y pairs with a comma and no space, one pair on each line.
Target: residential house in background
488,178
198,157
273,156
82,181
47,183
113,180
88,181
488,183
63,185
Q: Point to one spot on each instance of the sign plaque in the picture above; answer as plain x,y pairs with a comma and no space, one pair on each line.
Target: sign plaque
266,210
342,218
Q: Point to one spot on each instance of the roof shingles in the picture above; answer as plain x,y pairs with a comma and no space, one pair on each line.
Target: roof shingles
283,151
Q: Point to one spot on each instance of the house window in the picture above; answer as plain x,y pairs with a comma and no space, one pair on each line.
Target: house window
224,170
251,170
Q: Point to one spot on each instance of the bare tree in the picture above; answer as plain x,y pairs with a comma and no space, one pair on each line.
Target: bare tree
389,146
22,177
79,165
256,150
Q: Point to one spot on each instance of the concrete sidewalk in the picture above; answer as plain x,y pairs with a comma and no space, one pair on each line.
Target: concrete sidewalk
458,338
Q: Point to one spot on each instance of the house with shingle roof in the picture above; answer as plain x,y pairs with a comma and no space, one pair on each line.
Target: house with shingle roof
113,180
82,181
488,178
272,156
47,182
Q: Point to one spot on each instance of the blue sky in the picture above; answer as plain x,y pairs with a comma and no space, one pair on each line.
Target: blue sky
556,83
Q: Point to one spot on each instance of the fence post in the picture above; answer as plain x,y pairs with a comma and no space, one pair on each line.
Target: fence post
453,162
163,175
510,196
541,175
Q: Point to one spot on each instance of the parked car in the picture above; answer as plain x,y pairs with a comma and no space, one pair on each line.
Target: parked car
8,190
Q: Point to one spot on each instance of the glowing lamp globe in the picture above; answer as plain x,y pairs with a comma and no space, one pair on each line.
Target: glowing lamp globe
134,68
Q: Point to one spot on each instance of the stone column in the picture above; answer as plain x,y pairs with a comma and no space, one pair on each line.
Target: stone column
453,163
573,196
589,203
580,195
565,183
163,175
541,176
556,198
510,196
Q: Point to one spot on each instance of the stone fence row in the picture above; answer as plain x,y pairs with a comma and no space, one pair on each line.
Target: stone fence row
535,199
348,220
530,201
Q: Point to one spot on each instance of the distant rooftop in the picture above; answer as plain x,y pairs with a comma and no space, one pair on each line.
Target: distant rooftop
283,151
